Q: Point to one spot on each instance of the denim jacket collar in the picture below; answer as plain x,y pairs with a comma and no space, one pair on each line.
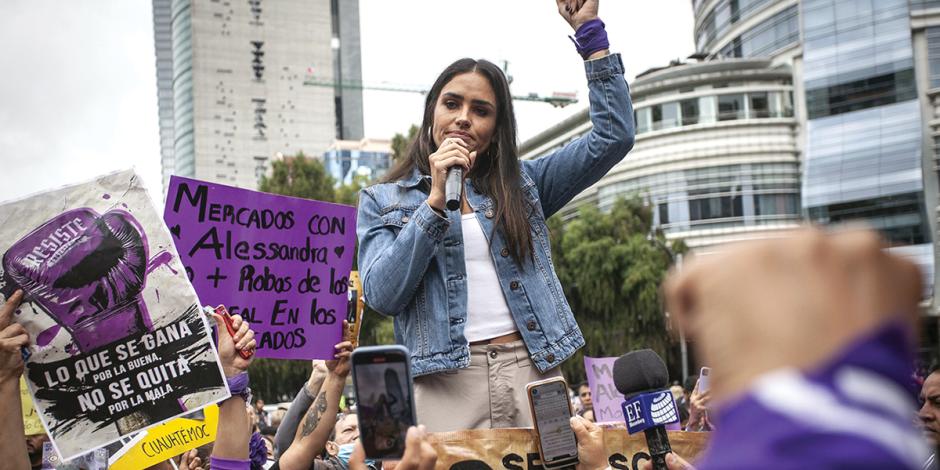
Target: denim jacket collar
415,179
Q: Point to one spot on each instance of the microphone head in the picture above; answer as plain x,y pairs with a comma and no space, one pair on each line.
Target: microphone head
639,371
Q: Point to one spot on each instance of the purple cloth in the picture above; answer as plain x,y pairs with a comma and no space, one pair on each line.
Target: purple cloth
238,385
854,412
257,451
218,463
590,38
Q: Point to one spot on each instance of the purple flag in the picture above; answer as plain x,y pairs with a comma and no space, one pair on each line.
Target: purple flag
280,262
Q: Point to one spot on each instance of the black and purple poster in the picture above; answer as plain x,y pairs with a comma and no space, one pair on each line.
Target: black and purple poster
280,262
118,340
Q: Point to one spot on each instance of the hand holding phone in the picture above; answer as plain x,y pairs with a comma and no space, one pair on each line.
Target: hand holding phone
384,398
551,414
703,380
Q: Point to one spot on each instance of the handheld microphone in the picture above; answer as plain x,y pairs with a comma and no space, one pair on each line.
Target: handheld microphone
641,377
453,187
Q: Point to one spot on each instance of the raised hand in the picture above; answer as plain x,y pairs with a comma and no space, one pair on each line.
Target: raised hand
244,339
12,338
577,12
793,301
341,365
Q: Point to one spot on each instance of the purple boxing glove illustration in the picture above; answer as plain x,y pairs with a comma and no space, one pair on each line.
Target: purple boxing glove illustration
87,272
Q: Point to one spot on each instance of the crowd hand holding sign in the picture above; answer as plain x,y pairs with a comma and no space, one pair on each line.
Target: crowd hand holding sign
234,429
13,338
775,310
287,432
310,438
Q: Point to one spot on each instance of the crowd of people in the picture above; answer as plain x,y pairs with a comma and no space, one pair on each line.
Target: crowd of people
828,383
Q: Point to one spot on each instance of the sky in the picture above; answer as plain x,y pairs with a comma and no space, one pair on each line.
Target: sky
79,95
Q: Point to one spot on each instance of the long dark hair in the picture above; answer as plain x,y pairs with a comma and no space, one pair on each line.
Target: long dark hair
495,173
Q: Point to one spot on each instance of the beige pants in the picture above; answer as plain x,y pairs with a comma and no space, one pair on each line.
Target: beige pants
488,394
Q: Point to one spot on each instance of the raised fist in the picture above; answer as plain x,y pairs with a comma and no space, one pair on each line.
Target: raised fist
577,12
86,271
793,301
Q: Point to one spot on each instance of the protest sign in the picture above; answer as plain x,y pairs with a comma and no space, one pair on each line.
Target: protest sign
31,423
119,343
517,449
604,394
280,262
169,440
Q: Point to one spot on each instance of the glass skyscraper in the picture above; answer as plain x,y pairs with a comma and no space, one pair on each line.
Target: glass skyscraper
863,126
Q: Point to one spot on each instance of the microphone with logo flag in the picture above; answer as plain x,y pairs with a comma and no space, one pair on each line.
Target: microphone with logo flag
641,377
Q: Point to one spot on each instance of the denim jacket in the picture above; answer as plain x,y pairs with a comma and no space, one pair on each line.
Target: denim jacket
412,259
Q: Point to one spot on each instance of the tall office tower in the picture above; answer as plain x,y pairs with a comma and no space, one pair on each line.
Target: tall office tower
238,97
163,42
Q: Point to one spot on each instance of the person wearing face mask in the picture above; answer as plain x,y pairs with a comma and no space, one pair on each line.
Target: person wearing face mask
473,291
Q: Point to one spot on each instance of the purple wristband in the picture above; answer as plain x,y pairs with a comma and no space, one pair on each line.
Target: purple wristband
238,385
219,463
590,38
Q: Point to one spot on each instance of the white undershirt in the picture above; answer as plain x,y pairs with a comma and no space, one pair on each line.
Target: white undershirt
487,312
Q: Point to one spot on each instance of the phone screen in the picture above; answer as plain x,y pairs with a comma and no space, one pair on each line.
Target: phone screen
384,402
552,419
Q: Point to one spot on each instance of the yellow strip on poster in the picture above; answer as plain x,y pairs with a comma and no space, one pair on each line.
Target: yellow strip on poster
31,422
169,440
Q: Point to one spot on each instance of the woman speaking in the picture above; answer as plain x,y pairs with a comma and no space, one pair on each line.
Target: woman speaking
473,291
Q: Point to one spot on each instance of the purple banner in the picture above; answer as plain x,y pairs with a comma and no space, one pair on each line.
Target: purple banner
604,394
280,262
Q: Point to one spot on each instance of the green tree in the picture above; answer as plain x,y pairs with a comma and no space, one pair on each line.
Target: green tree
349,193
299,176
400,143
611,272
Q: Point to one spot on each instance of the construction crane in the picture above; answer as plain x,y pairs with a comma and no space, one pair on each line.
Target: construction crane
557,99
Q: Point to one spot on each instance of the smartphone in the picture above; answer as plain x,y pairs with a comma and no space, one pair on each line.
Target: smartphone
551,413
703,379
382,383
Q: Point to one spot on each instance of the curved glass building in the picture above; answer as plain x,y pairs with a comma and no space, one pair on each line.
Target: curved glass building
819,110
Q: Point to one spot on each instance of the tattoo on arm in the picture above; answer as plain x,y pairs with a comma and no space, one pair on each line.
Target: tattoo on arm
313,417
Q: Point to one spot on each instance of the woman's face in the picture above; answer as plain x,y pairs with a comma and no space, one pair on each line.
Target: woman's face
466,110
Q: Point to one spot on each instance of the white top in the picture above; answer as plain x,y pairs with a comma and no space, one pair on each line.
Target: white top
487,312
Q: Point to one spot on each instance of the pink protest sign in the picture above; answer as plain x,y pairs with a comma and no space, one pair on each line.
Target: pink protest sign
281,262
604,394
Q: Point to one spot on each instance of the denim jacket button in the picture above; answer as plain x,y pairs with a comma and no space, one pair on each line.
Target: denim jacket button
550,358
488,213
404,219
531,325
504,252
514,285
